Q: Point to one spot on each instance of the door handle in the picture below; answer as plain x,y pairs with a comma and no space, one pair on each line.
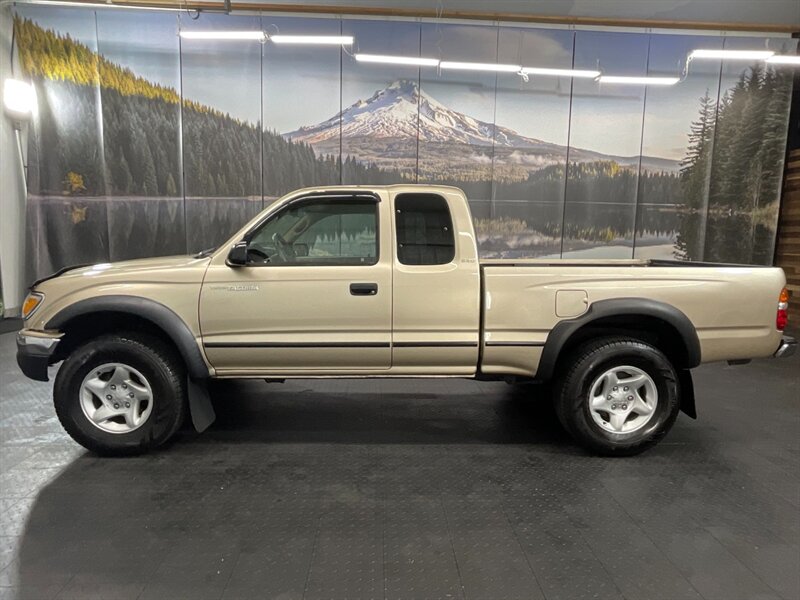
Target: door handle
363,289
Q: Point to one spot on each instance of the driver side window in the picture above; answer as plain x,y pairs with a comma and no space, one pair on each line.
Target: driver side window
318,232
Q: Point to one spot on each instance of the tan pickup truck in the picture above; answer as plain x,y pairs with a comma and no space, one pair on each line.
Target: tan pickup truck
386,282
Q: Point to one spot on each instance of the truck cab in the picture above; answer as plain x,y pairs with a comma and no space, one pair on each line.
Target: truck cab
348,282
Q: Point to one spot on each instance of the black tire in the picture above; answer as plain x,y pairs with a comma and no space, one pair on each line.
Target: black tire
153,359
588,362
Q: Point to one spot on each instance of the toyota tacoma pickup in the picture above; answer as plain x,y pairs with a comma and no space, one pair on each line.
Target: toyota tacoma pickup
386,281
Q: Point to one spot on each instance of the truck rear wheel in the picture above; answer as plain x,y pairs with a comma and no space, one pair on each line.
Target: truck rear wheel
121,394
617,396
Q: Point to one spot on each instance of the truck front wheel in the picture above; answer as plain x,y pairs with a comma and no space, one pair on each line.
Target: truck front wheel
617,396
121,394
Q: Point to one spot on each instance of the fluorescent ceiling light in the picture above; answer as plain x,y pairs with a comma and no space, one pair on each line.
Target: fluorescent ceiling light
336,40
560,72
732,54
639,80
223,35
398,60
469,66
784,59
19,98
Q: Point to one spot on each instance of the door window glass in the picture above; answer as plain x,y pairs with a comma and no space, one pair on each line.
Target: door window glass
319,232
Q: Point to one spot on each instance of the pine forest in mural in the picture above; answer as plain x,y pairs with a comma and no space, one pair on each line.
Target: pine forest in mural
137,153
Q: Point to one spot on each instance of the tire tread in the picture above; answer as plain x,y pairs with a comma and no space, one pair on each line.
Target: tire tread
569,409
175,377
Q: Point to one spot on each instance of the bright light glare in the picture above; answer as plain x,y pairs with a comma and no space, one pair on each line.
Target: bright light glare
19,97
470,66
731,54
560,72
223,35
784,59
639,80
398,60
336,40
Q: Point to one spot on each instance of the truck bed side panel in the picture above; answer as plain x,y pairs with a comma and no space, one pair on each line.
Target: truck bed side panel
732,308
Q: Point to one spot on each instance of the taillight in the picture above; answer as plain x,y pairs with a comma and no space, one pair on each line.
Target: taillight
783,304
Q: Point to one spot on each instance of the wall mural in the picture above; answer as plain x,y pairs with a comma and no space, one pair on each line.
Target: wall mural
146,143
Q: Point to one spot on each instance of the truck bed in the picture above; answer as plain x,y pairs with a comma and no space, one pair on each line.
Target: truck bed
732,307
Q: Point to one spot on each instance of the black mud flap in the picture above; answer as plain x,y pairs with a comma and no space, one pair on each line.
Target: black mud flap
687,393
200,406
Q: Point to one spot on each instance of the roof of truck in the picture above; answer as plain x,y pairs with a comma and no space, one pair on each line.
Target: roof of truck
392,187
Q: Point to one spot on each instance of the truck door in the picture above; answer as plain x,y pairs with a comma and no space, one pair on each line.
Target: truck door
436,289
314,295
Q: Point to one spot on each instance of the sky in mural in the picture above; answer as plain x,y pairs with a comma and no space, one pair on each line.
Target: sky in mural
143,43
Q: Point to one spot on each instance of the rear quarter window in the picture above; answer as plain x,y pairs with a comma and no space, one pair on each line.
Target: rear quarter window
424,230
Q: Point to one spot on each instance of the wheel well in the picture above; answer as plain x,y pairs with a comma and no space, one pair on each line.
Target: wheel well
645,328
84,327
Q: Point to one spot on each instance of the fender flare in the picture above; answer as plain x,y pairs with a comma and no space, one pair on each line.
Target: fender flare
620,307
159,315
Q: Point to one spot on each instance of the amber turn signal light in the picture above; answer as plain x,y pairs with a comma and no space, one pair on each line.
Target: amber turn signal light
31,303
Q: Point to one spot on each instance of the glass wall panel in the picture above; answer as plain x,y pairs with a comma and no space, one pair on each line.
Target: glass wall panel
66,211
530,147
604,146
140,95
302,105
676,146
456,124
221,82
380,104
747,161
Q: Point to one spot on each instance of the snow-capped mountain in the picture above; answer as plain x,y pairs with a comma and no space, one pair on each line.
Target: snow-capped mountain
400,110
383,130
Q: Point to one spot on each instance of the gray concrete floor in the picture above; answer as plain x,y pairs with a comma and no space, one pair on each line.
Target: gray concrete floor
407,489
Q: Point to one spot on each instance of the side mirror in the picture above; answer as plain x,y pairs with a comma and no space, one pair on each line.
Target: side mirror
237,257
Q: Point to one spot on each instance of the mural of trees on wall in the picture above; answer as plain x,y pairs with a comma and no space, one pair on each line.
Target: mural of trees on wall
735,160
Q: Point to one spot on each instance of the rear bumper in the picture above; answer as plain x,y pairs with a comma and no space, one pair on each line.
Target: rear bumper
787,348
34,352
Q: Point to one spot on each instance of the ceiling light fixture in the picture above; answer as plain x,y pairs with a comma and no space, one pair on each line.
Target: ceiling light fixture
784,59
470,66
223,35
334,40
560,72
398,60
639,80
731,54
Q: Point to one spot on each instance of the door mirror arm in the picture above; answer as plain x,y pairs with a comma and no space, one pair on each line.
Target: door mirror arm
237,257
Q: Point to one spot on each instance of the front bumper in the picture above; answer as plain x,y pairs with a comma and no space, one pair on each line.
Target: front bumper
787,348
34,352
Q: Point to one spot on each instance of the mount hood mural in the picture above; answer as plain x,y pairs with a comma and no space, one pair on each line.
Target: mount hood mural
379,131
